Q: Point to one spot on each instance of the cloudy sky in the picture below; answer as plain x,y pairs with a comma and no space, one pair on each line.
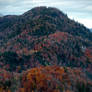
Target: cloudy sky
79,10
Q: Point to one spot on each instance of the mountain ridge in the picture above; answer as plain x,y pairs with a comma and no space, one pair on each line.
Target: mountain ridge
39,31
24,23
43,50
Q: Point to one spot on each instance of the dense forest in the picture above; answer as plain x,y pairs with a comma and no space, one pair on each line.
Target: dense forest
43,50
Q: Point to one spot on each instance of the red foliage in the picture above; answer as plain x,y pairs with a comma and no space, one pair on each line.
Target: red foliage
88,53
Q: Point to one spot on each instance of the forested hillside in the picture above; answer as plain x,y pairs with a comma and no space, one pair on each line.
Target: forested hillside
44,51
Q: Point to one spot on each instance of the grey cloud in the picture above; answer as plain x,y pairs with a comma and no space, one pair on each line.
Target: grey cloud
65,5
74,8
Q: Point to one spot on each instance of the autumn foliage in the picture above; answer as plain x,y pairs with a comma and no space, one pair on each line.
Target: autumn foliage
50,79
43,50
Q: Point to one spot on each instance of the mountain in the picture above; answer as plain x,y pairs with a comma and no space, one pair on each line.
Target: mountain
46,40
44,36
33,21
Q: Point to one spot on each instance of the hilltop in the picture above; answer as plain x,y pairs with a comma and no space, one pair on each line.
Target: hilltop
45,39
44,36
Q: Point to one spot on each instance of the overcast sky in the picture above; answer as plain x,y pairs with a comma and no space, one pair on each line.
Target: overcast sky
79,10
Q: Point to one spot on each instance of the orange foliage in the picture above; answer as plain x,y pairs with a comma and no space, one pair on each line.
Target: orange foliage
39,78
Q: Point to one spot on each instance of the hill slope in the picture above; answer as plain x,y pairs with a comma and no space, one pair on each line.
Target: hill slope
47,41
41,18
44,36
